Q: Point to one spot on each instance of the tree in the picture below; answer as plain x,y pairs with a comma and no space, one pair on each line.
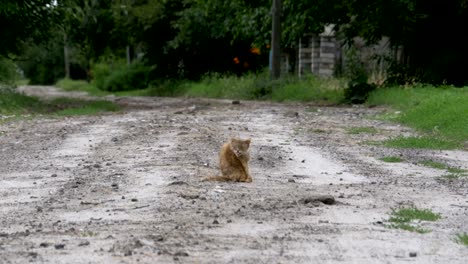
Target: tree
23,20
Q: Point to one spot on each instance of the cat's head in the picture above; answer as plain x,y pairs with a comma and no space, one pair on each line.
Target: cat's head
240,144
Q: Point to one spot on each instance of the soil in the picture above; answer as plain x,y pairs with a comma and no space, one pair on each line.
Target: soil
125,187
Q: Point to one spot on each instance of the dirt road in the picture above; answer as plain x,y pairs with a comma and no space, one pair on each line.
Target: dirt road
124,187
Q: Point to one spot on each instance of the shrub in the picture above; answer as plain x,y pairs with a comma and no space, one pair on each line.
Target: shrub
8,71
121,78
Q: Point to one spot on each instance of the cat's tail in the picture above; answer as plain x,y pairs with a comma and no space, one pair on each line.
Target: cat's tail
217,178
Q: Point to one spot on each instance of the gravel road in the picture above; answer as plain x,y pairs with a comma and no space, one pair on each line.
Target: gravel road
125,187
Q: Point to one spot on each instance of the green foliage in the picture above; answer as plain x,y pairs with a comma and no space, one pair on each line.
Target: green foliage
403,218
12,103
310,88
80,85
120,77
22,20
438,112
8,71
463,239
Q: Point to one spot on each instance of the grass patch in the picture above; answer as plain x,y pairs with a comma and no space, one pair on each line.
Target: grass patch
362,130
14,104
463,239
423,142
80,85
440,113
434,164
453,173
74,107
403,218
247,87
391,159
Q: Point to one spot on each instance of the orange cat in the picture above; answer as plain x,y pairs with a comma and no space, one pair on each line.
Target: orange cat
234,161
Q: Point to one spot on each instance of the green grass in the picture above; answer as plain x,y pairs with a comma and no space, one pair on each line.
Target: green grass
463,239
362,130
422,142
247,87
391,159
434,164
439,113
73,107
80,85
453,173
15,104
403,218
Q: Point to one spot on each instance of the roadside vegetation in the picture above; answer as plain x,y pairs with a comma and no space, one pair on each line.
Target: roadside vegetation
463,239
439,114
405,218
391,159
17,105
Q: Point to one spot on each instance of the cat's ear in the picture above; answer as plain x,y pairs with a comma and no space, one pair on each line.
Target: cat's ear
248,141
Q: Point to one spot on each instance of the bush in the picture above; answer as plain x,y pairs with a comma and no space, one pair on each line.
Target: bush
122,78
8,71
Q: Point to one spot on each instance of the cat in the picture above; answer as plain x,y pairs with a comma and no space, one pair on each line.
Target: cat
234,161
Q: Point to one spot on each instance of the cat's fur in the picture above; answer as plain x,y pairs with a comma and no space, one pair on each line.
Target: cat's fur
234,161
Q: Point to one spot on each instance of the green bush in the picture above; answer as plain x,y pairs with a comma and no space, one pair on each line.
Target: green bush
8,71
121,78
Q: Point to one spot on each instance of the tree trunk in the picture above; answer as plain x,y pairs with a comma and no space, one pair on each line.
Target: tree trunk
66,56
275,56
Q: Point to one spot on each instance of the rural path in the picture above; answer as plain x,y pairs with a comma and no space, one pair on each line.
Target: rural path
124,187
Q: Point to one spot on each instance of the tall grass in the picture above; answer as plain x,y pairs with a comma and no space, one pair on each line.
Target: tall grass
440,113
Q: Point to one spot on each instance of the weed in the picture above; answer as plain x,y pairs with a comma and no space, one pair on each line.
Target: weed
72,107
361,130
391,159
454,173
463,239
434,164
403,217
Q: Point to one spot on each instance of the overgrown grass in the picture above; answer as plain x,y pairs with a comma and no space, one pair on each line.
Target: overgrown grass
14,104
391,159
463,239
247,87
440,113
80,85
403,218
362,130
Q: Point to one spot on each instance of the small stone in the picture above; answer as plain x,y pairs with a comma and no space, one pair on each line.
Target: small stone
413,254
215,222
181,254
235,102
59,246
83,243
53,175
134,200
291,180
44,244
